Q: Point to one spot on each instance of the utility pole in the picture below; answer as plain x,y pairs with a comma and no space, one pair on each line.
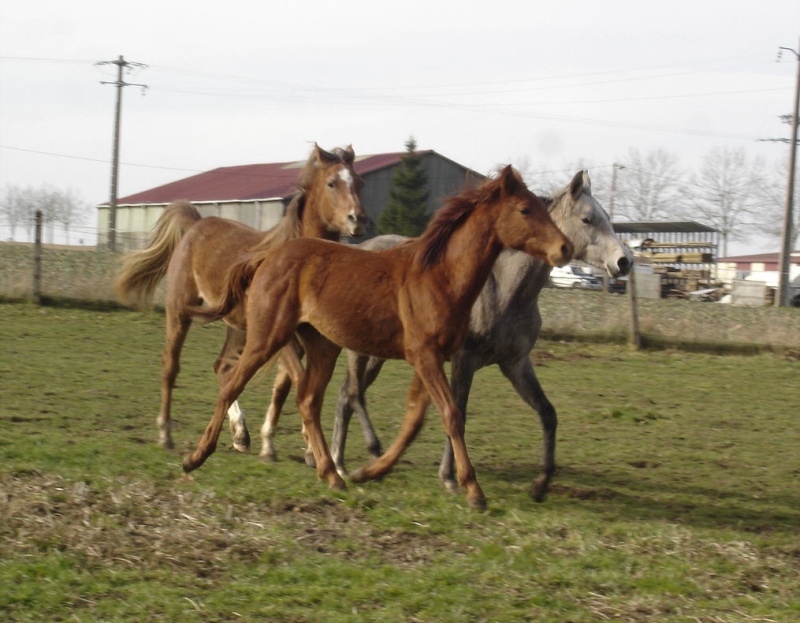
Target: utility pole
121,64
784,262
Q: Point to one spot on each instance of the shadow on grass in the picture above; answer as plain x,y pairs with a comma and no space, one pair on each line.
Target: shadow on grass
647,500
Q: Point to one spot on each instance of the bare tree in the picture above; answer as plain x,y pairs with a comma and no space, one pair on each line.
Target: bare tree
769,217
728,192
17,207
649,187
62,207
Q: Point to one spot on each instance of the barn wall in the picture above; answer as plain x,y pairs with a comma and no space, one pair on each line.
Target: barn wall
445,178
135,222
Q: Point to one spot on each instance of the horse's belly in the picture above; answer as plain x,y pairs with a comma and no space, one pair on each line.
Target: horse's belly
363,335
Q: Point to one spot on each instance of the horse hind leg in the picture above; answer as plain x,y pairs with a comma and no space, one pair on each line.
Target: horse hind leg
280,392
373,367
234,382
264,340
321,356
177,327
290,371
229,355
522,376
361,373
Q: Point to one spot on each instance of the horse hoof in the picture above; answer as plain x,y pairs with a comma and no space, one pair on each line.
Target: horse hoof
358,475
268,457
478,503
311,461
450,485
337,484
539,488
241,443
189,464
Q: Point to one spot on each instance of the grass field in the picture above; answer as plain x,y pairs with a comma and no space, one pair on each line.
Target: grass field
677,496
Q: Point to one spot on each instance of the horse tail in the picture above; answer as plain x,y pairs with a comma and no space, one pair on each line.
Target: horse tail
142,270
237,281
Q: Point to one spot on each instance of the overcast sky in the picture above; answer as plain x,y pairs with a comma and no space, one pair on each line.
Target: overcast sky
548,84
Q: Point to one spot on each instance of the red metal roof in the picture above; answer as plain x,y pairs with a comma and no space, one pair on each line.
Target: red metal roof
247,182
759,257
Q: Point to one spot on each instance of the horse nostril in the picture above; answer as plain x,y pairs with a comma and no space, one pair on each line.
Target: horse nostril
623,263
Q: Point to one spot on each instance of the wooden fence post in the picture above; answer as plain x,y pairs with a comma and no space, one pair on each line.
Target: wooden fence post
635,337
37,261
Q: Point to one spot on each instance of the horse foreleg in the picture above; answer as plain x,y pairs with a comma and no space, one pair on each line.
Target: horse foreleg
177,327
280,392
429,367
228,356
361,372
462,371
417,401
321,355
523,378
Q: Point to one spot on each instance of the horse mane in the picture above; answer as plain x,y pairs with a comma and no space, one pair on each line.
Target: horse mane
455,211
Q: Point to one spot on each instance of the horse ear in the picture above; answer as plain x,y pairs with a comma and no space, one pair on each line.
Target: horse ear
578,184
348,154
510,180
325,157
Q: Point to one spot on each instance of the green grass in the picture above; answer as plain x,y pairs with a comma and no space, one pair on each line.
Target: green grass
676,497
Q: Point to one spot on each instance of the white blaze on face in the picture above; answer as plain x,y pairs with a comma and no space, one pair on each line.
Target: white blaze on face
346,177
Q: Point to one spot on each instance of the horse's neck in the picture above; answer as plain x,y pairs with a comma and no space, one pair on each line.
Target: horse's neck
518,278
510,293
470,255
312,224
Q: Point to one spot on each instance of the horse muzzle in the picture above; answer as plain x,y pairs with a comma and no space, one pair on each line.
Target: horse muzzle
356,225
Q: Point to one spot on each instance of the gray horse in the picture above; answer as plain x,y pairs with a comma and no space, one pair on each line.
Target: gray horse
504,325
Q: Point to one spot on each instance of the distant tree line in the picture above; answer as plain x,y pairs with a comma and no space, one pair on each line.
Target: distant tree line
59,207
737,194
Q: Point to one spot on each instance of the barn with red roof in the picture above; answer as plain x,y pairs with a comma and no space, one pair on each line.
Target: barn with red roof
257,194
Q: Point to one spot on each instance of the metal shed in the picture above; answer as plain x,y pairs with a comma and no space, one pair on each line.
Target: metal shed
683,252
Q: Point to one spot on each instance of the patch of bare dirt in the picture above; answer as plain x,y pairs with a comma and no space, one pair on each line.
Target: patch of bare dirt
151,525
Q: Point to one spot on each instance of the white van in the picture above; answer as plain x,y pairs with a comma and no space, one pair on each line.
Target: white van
573,276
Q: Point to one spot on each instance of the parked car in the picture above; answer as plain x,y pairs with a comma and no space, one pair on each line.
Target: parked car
617,285
573,276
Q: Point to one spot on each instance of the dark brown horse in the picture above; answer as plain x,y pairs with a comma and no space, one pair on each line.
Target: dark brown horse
410,302
196,253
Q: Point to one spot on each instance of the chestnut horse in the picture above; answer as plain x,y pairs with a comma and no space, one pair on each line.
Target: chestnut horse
195,254
503,328
409,302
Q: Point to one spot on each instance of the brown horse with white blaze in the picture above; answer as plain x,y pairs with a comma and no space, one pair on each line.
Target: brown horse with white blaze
195,254
410,302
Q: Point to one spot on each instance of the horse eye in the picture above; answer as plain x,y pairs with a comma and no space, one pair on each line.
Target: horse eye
524,211
586,220
331,184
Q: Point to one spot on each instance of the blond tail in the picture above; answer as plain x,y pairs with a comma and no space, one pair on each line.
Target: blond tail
143,270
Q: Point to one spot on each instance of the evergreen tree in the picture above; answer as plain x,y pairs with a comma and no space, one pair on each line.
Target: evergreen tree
408,197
